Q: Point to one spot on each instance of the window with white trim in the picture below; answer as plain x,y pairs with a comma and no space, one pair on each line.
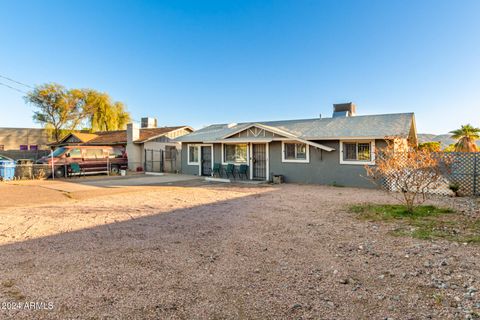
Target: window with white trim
235,153
357,151
193,154
295,152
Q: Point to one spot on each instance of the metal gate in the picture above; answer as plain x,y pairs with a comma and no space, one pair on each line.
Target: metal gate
259,161
170,159
206,154
154,161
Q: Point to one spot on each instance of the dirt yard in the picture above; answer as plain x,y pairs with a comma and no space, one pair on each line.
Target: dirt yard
203,251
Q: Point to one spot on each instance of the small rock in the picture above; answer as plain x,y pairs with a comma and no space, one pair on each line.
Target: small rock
296,306
344,281
468,296
381,276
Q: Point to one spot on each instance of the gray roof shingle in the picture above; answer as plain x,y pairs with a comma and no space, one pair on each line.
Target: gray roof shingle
378,126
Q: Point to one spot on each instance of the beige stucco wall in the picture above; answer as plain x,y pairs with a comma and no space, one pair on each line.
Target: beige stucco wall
12,138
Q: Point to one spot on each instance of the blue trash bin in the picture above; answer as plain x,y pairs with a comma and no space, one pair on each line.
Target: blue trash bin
7,168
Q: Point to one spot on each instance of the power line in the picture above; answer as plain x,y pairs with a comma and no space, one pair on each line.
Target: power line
10,87
17,82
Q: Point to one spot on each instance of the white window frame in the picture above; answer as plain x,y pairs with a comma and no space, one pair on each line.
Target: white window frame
191,163
358,162
231,162
307,158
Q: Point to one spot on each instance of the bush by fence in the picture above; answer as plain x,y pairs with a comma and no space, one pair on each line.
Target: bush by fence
460,174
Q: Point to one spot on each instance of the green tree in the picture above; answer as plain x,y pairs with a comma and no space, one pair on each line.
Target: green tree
450,148
466,136
432,146
57,108
102,113
61,110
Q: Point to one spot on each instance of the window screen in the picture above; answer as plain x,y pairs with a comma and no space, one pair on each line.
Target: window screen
353,151
235,153
193,154
295,151
289,151
364,151
350,151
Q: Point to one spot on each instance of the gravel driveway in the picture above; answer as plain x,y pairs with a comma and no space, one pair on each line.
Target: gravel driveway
227,252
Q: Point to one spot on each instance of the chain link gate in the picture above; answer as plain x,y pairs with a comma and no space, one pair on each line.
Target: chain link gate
463,172
162,160
154,160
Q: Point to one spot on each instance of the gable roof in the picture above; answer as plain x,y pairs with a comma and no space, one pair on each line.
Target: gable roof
153,133
369,126
118,136
82,137
109,137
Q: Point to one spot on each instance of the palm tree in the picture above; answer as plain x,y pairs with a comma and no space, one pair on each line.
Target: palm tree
466,137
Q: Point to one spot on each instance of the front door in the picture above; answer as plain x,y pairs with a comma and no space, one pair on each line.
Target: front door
259,161
206,154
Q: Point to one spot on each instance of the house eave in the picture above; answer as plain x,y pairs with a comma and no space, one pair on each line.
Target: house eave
163,134
353,138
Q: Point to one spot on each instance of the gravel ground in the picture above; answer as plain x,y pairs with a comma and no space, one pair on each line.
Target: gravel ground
227,252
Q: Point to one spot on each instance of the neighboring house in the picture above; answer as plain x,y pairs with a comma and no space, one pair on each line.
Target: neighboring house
24,139
24,143
144,145
323,150
102,138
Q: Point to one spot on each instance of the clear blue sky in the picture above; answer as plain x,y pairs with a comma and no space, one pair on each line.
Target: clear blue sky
203,62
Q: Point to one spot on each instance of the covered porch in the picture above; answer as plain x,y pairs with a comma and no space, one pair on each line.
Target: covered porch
246,153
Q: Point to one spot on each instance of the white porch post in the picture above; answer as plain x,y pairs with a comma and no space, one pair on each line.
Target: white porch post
250,159
267,147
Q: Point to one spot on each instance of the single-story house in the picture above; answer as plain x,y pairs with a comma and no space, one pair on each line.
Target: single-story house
144,145
147,146
321,150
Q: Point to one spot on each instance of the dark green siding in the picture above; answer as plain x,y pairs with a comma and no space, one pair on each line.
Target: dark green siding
324,167
186,169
